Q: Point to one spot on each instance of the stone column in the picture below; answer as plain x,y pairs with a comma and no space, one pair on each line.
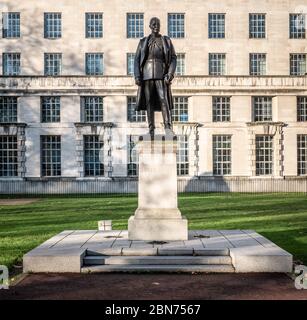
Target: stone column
157,217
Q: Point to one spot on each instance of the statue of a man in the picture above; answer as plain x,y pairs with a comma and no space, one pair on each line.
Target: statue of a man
154,68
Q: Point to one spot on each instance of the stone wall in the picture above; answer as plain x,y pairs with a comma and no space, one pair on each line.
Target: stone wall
115,44
125,186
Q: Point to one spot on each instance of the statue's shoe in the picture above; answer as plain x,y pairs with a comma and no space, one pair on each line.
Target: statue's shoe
169,132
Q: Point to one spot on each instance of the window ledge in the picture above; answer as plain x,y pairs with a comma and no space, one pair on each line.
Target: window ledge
16,124
265,123
94,124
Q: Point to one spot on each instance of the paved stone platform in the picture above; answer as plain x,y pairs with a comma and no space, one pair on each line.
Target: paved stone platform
111,251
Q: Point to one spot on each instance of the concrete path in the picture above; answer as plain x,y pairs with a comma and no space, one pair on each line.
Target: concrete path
155,287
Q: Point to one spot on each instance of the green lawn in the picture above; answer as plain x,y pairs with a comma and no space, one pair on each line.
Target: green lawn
280,217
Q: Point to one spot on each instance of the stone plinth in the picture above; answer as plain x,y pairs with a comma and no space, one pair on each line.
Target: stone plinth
206,251
157,217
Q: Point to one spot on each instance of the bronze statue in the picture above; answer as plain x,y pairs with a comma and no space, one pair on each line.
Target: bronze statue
154,68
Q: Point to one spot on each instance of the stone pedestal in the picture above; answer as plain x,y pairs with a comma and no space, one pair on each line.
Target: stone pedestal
157,217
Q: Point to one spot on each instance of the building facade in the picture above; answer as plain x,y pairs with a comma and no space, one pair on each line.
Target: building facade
67,94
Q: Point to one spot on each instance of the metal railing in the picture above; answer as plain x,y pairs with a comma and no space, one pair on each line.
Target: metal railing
130,185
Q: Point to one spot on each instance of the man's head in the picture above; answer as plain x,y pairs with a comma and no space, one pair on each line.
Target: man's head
154,25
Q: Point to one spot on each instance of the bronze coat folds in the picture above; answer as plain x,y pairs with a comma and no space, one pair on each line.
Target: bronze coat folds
139,62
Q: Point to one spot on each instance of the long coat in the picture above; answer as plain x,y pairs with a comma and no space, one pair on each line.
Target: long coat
170,67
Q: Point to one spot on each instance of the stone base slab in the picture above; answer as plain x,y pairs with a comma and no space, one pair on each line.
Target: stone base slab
152,213
157,229
58,261
247,250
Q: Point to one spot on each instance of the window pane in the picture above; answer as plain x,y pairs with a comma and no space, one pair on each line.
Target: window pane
130,64
221,154
221,109
298,64
264,155
135,116
133,159
94,64
182,155
217,64
135,25
8,109
180,112
301,108
11,25
53,25
257,26
257,64
93,156
94,25
216,25
92,109
8,156
297,26
11,64
262,109
50,156
53,64
51,109
176,25
180,68
302,154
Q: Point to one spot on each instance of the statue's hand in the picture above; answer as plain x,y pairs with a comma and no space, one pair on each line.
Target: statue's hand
168,78
138,82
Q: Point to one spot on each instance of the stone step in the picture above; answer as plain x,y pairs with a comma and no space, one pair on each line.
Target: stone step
160,268
157,260
161,251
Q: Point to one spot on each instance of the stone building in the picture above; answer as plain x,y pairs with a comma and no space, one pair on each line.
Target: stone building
67,94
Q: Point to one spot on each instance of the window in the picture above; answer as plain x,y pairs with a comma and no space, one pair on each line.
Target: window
180,69
135,25
51,109
257,64
221,154
11,25
130,64
221,109
135,116
133,161
94,64
257,26
180,113
217,64
53,64
216,25
53,25
176,25
11,64
92,109
8,109
297,26
264,155
302,154
301,108
183,155
50,156
262,109
93,156
8,156
297,64
94,25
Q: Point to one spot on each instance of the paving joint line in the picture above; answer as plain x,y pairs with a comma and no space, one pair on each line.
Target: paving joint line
62,239
89,238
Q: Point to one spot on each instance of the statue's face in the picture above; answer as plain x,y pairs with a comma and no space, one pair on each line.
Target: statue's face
155,26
